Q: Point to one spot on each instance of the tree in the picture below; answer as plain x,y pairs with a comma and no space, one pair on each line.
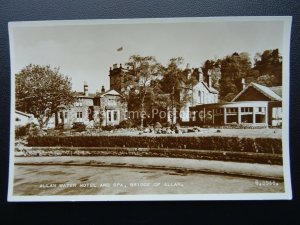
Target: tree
140,83
178,83
40,90
269,63
233,68
172,74
212,67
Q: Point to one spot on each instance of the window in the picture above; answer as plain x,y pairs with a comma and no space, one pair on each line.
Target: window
231,110
78,102
66,116
79,117
61,115
115,115
260,110
79,114
276,116
246,109
109,116
277,113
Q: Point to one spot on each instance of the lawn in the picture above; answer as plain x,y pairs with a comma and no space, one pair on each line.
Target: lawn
247,133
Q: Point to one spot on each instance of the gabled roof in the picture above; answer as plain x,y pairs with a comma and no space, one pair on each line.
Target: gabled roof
92,95
210,89
270,92
109,92
277,90
24,114
82,95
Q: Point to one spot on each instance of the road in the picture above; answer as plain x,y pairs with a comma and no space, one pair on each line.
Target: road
44,180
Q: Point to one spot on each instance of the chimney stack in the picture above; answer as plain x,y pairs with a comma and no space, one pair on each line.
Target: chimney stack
102,89
85,88
200,75
209,80
243,83
188,71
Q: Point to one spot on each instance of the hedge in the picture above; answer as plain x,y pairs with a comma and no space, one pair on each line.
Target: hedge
169,153
234,144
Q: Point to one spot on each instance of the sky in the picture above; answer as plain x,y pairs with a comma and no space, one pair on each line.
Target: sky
85,52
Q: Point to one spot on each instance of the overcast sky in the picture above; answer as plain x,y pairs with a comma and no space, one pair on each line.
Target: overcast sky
86,51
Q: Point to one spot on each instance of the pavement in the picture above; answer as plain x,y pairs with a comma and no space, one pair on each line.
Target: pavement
255,170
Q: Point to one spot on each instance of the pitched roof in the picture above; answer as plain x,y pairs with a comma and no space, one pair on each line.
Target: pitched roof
24,114
277,90
210,89
93,95
270,92
111,92
82,95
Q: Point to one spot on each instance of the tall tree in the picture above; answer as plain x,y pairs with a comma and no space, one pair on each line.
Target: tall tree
269,63
40,90
233,68
178,83
145,70
214,68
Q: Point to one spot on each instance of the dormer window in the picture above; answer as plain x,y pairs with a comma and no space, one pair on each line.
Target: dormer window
79,102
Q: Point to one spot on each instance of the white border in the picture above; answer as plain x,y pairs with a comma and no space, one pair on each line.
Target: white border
287,20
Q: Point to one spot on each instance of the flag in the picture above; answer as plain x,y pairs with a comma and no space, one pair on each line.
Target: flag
120,49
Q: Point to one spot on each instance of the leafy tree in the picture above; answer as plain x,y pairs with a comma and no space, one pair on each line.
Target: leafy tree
40,90
172,74
139,83
269,63
212,67
178,83
233,69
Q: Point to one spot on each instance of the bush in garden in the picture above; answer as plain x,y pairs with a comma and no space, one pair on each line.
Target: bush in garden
79,127
34,129
126,124
21,131
59,127
108,128
30,129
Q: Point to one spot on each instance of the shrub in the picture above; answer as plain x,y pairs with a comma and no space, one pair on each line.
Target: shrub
109,128
157,125
34,129
59,126
79,126
126,124
30,129
167,124
22,131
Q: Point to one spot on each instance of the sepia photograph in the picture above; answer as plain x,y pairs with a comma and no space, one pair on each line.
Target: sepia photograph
150,109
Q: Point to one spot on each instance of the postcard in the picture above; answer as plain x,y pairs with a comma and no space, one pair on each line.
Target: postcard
150,109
